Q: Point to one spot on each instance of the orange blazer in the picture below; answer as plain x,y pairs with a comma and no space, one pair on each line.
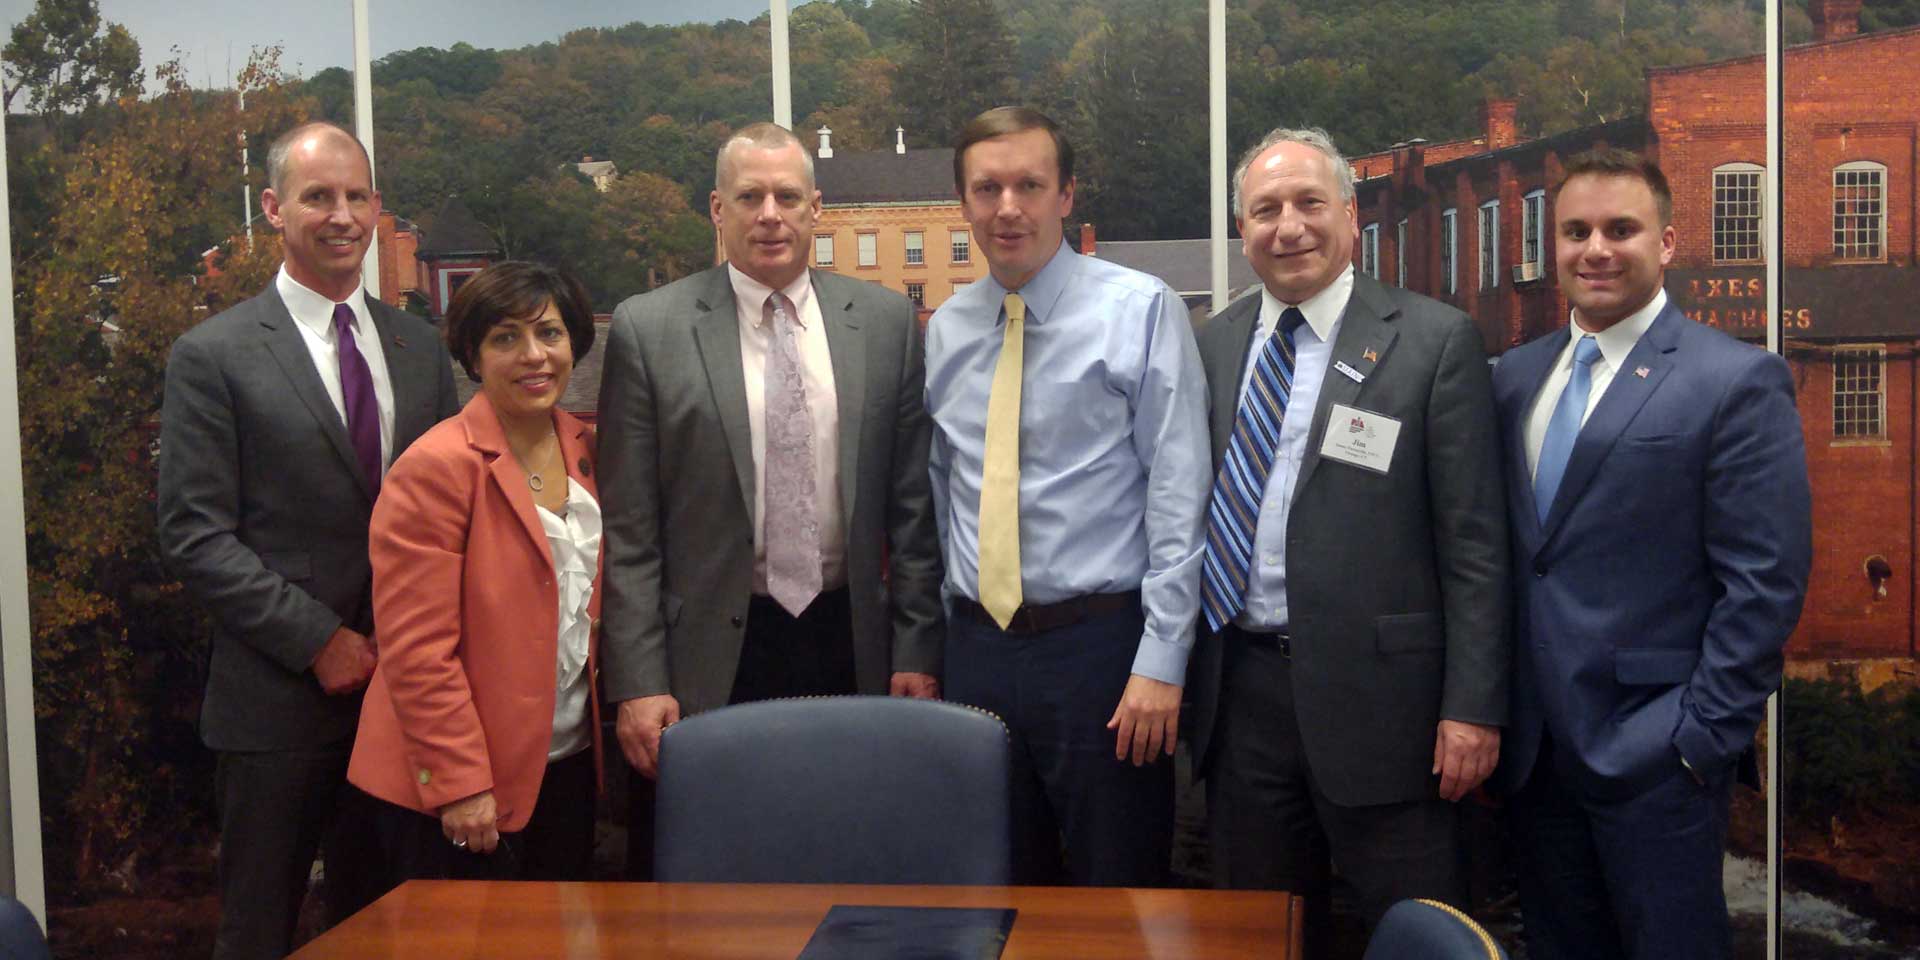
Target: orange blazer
465,613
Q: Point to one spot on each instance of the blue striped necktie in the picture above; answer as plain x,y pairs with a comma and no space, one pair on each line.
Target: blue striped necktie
1233,511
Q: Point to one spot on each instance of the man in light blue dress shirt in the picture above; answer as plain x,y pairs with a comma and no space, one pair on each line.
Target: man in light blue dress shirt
1113,467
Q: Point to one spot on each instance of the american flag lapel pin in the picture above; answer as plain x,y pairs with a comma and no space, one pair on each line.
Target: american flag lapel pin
1641,372
1370,355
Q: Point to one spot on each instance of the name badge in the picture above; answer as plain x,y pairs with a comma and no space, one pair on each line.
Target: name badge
1360,437
1352,374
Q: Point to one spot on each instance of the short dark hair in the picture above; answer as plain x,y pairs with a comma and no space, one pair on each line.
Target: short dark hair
1616,162
1006,121
282,146
515,290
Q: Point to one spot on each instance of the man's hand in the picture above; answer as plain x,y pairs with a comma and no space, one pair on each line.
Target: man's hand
1464,755
1147,719
345,663
923,686
471,824
639,726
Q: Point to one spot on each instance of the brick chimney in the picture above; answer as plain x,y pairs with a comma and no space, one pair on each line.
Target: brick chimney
1086,239
1497,119
1834,19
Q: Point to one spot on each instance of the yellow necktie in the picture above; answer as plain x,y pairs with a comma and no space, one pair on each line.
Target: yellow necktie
1000,475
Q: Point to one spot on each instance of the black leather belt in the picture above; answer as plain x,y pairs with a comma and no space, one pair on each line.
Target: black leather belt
1278,640
1041,617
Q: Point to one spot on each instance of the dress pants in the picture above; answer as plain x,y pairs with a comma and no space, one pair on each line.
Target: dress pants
781,655
1056,689
1636,877
555,844
277,808
1271,828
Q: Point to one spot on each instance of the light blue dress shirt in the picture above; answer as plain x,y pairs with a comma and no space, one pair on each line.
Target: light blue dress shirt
1114,460
1266,607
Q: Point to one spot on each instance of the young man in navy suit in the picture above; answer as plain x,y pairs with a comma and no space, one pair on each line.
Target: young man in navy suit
1659,509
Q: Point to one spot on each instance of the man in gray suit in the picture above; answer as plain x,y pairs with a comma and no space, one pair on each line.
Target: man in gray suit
280,416
763,453
1352,682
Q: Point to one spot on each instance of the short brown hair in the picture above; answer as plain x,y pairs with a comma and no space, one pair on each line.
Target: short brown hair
1006,121
515,290
1616,162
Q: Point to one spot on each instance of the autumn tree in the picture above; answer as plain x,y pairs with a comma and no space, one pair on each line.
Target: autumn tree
116,650
64,57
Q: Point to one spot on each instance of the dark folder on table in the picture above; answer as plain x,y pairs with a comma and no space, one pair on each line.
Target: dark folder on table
910,933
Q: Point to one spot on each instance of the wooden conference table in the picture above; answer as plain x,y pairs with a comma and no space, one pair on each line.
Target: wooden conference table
449,919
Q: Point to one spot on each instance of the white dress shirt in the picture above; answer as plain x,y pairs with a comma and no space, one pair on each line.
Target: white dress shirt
1615,343
1266,607
750,299
574,540
313,314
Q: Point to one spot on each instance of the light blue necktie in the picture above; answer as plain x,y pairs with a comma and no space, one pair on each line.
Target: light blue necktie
1233,511
1564,428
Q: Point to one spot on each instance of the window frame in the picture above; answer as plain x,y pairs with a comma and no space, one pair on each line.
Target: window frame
867,250
1487,232
818,260
1722,221
920,301
1400,251
960,246
913,243
1450,250
1870,353
1879,170
1533,231
1370,250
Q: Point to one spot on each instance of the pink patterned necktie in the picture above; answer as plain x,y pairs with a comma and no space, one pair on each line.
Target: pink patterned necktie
356,388
792,520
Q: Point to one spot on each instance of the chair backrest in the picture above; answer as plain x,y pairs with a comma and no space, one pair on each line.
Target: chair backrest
834,790
1430,930
20,936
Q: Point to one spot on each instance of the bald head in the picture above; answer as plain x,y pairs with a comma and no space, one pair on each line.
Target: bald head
307,136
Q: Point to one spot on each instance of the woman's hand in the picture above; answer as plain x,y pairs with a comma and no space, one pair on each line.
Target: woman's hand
470,823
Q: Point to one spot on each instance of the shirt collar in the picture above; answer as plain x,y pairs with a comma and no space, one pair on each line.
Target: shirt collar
754,294
315,311
1617,341
1322,310
1043,289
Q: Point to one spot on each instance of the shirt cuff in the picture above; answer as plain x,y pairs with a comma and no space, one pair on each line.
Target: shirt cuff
1162,661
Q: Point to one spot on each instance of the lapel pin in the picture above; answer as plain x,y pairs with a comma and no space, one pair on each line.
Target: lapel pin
1641,372
1370,355
586,469
400,342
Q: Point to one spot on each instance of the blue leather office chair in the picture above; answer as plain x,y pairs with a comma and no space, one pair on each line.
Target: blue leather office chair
1430,930
20,936
834,790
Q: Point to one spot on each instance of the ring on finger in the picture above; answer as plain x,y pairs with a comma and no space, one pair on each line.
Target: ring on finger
459,842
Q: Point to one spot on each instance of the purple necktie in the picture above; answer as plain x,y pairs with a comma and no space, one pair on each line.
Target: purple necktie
356,387
791,513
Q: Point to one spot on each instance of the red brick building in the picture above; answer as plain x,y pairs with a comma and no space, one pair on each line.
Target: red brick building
1468,222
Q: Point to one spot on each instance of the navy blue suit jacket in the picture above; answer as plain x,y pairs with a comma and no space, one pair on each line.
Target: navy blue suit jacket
1653,602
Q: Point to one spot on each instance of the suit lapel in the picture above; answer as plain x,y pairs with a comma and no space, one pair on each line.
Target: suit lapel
1363,343
1626,393
848,351
485,434
413,384
717,335
1230,347
289,348
1532,364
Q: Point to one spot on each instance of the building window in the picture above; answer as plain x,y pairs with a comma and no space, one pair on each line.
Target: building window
959,285
916,247
1370,250
1449,235
1400,253
869,250
823,250
917,292
1533,231
1860,211
1859,399
962,247
1738,211
1489,244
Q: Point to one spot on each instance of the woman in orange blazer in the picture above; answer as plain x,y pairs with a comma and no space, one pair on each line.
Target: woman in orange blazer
479,737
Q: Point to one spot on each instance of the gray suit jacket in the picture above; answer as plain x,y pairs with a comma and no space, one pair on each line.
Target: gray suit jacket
263,509
677,488
1397,586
